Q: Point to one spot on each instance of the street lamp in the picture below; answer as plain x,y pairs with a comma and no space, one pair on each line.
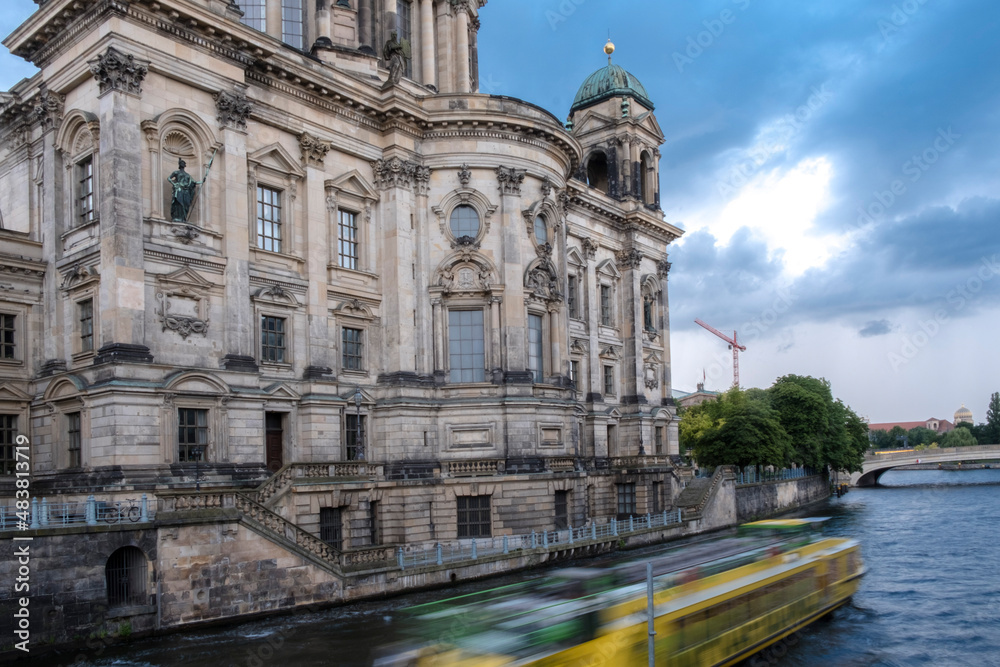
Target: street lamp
359,447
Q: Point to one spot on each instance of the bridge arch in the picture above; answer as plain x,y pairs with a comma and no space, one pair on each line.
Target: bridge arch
878,463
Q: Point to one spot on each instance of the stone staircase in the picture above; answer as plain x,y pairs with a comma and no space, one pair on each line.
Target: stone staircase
696,492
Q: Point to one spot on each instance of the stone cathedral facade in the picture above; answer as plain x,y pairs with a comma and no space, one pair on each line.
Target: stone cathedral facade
248,238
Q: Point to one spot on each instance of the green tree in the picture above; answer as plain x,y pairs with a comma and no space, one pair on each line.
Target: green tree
897,434
920,436
736,430
882,440
960,437
802,404
992,431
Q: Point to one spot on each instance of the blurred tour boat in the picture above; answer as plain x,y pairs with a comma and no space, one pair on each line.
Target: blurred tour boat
717,602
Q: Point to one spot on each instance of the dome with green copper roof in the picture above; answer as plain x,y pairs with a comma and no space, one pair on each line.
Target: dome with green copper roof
607,82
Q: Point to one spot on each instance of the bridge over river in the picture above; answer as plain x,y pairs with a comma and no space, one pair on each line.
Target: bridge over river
876,463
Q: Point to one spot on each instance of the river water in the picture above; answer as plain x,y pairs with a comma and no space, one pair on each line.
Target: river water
931,595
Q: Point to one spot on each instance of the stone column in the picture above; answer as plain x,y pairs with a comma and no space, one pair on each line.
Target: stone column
632,364
365,37
316,227
666,381
595,394
514,330
474,54
496,344
427,46
555,333
461,56
48,112
122,298
445,48
423,325
238,191
439,365
324,30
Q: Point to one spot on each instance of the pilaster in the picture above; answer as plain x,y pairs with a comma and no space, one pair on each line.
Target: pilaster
316,230
633,390
514,329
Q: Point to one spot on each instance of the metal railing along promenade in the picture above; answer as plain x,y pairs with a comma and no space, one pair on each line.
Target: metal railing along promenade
473,549
90,512
751,475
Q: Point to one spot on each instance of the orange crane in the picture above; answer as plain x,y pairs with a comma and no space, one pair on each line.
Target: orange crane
733,345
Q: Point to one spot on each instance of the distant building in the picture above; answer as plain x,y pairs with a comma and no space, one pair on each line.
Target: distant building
963,414
700,395
941,426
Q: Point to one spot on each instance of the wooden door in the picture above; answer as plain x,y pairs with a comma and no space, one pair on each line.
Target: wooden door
274,437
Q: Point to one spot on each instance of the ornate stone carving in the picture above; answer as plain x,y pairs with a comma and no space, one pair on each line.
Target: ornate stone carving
467,242
510,180
589,248
543,282
662,268
119,71
314,150
49,108
183,297
77,275
464,175
394,173
421,180
186,234
543,250
546,187
629,258
652,381
234,108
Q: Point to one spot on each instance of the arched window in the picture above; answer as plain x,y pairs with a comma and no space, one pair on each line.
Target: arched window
464,221
125,576
597,172
541,230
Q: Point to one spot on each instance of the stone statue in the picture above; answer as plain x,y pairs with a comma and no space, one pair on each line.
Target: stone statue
395,53
647,313
184,185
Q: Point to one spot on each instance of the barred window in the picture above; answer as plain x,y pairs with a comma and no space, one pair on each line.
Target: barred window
466,346
541,230
254,14
574,372
292,32
85,190
86,314
626,499
464,222
474,516
373,522
347,249
331,526
73,434
609,380
535,359
572,300
351,349
658,439
125,576
607,318
272,339
268,219
8,346
354,434
8,437
192,434
562,510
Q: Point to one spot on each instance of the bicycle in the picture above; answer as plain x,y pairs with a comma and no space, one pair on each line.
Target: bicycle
118,513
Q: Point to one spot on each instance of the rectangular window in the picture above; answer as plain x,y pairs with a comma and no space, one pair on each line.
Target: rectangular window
272,339
473,516
85,191
609,380
254,14
268,219
373,521
351,349
606,318
562,510
347,244
466,346
354,433
8,346
535,359
574,373
86,316
404,9
192,434
626,499
572,303
8,437
658,438
331,527
73,433
292,23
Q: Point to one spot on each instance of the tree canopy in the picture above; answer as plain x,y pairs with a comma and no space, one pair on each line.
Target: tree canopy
795,420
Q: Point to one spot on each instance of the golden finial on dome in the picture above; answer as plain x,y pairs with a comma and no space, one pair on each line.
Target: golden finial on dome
609,48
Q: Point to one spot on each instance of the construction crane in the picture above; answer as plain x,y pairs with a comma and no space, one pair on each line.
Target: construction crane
733,345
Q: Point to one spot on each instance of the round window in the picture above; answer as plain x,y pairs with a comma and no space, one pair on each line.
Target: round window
464,222
541,231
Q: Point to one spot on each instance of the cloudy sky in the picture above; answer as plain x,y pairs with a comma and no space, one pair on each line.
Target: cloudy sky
834,164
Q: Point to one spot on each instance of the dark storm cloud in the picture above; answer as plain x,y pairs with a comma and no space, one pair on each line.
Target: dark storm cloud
875,328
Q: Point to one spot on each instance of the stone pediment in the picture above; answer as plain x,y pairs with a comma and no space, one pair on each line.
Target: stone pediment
276,158
197,382
354,183
574,256
280,390
592,121
647,121
9,392
366,397
185,276
65,387
609,268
